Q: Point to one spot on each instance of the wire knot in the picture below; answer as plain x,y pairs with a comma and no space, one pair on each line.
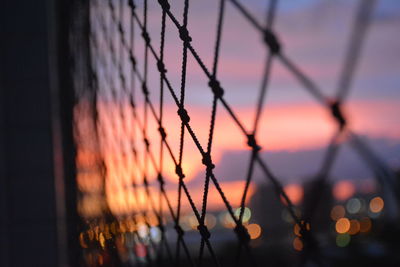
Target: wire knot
242,233
179,230
216,88
131,4
132,103
93,75
161,67
120,29
207,161
146,37
205,234
145,182
111,5
133,60
144,89
122,78
338,114
251,142
162,132
164,4
147,143
183,115
160,179
184,35
179,171
271,40
303,232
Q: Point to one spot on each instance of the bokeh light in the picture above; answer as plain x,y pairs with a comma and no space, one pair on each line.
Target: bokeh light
365,225
192,221
337,212
102,240
226,220
343,190
82,240
353,206
140,250
376,204
342,225
246,214
254,230
142,230
354,227
155,234
297,228
342,240
294,192
297,244
210,221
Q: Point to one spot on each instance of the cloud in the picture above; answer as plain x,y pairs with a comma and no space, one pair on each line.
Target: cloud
302,165
315,35
290,127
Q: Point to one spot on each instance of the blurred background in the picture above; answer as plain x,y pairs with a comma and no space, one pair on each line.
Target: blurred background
86,179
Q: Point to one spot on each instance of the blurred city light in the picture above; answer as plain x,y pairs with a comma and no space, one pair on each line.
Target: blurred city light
343,190
342,225
246,214
365,225
254,230
376,204
342,240
294,192
297,244
338,212
354,227
353,205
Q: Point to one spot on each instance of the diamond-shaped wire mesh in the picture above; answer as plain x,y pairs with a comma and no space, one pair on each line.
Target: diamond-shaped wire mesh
137,137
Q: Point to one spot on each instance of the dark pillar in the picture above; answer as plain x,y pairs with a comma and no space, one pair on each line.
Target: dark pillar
34,213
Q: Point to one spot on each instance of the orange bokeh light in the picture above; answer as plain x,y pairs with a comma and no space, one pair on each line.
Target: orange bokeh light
354,227
297,228
376,204
254,230
294,192
298,244
343,190
337,212
365,225
342,225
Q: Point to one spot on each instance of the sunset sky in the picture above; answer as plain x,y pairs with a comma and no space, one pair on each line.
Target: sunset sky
315,35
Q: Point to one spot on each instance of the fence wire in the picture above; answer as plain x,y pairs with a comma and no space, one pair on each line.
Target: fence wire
118,108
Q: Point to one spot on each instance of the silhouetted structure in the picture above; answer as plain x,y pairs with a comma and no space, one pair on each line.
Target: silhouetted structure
37,185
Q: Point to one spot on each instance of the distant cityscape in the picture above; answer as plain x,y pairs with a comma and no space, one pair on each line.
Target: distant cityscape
346,220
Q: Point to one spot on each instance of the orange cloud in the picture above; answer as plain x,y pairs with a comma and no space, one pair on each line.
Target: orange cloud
283,127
